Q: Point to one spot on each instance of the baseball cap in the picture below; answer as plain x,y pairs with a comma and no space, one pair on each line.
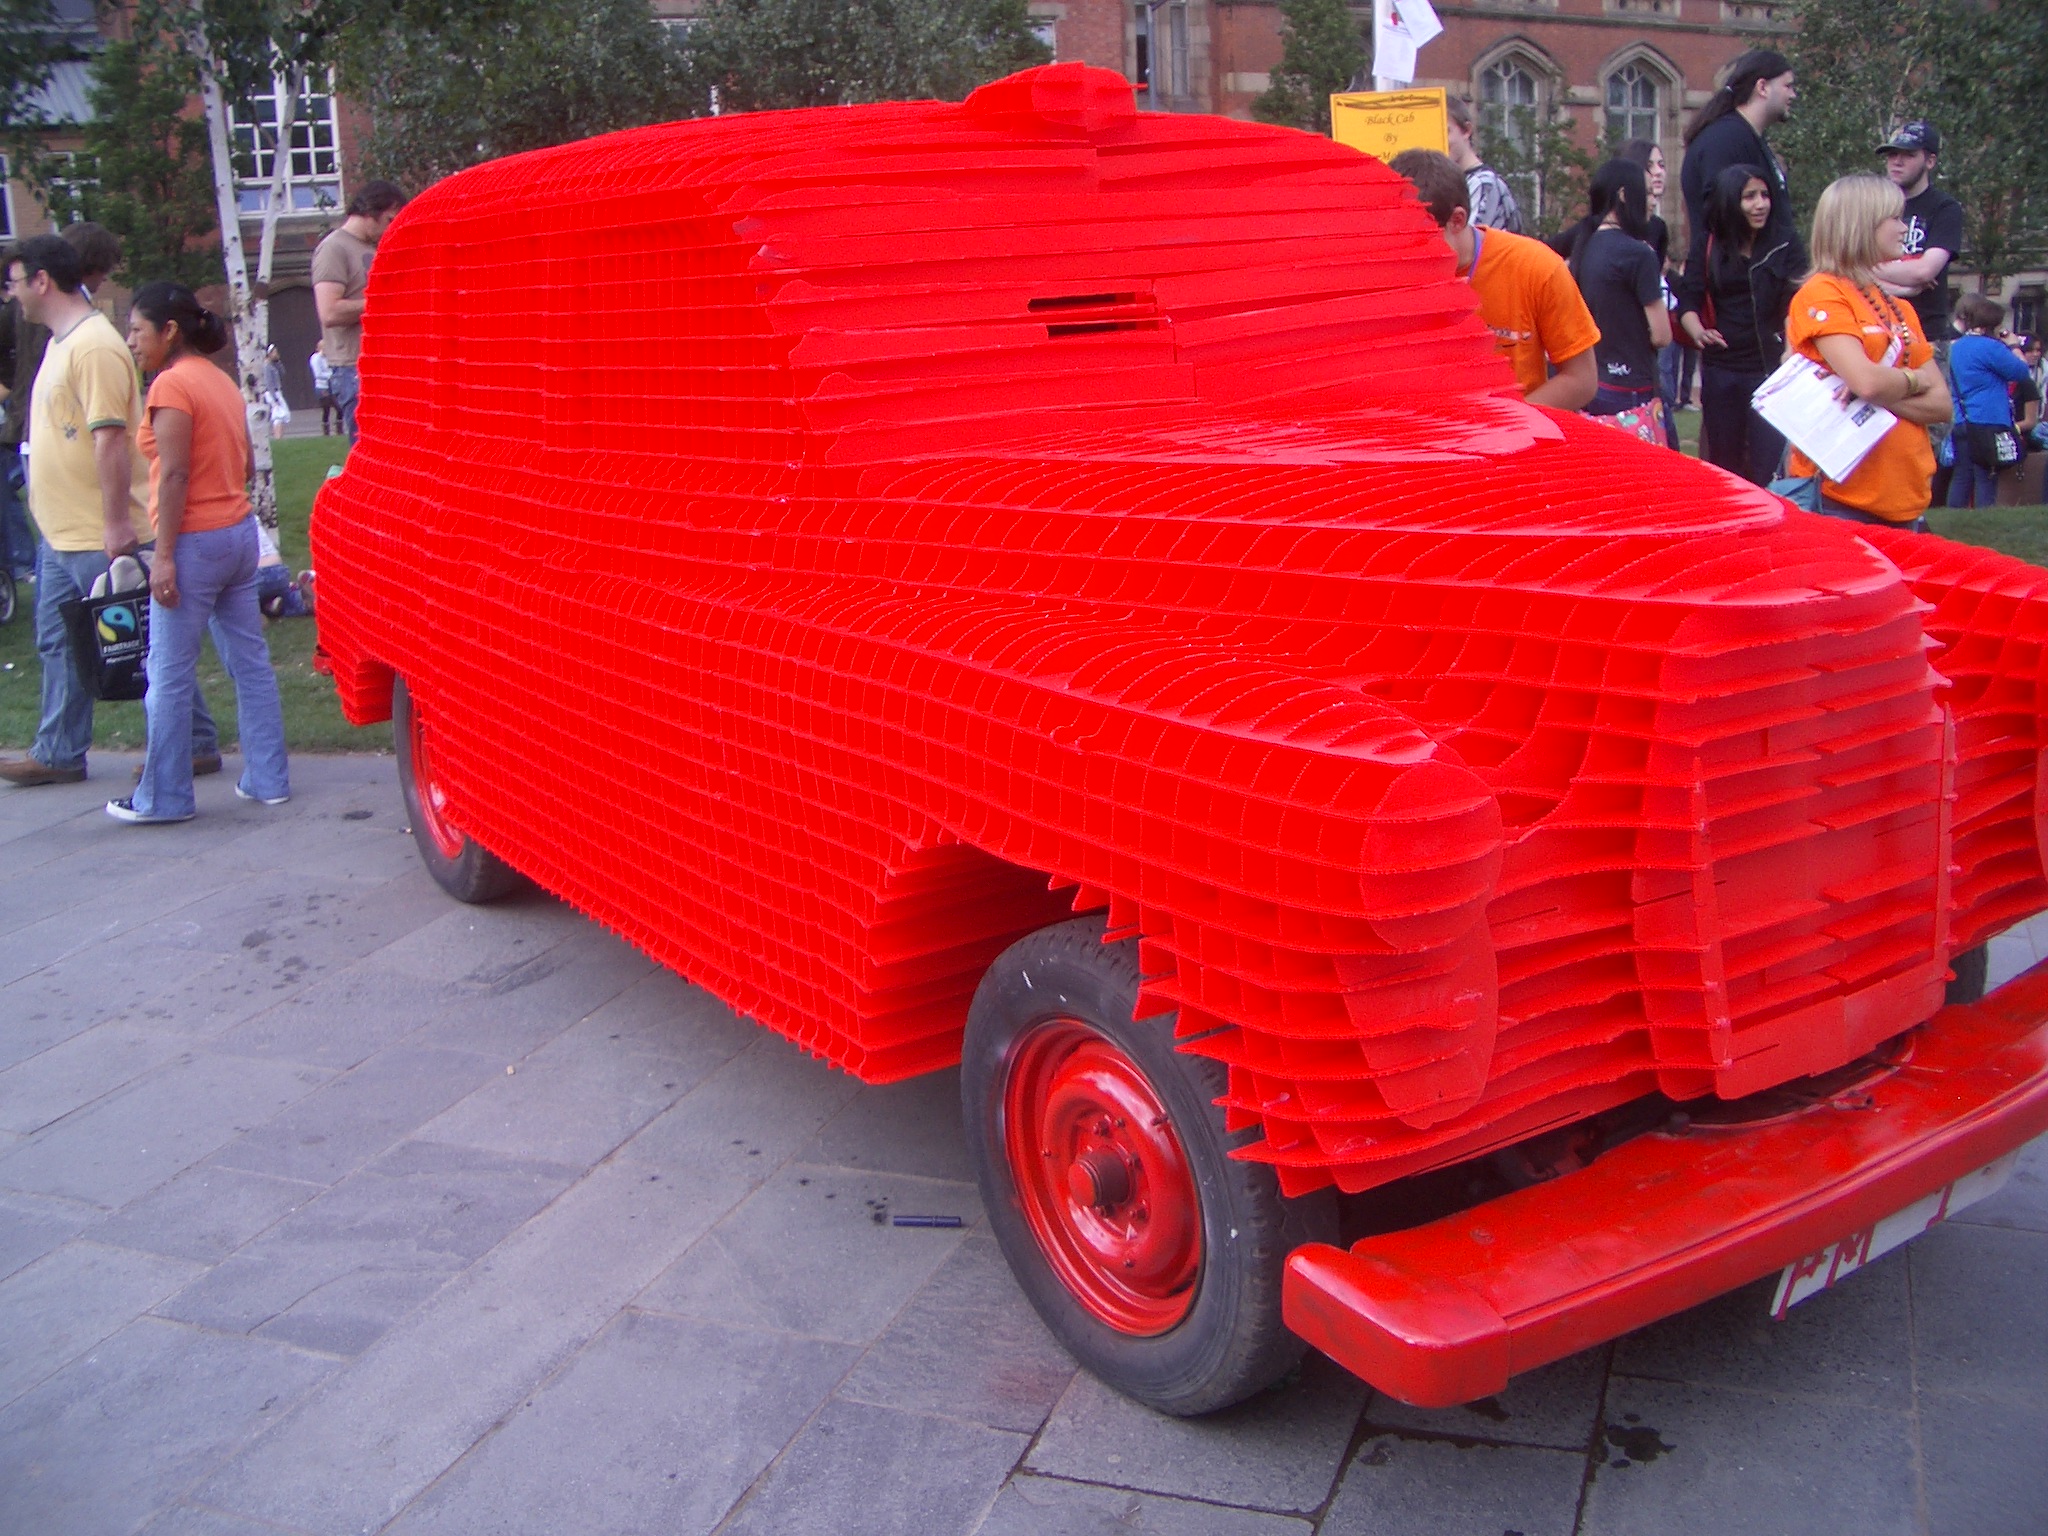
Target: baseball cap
1917,134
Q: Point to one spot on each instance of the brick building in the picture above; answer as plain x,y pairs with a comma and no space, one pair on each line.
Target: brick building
1642,65
313,185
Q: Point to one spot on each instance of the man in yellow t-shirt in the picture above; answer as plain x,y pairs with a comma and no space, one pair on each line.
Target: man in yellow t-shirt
86,491
1526,293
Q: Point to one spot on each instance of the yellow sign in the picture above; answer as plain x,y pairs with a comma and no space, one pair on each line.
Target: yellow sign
1383,123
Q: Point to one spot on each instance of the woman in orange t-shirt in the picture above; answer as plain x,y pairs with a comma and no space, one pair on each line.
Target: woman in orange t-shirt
195,434
1872,342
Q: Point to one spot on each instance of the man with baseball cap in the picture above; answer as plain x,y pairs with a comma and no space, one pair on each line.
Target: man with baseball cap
1934,229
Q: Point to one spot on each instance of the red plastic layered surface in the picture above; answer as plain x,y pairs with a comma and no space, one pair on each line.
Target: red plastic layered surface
1445,1313
830,545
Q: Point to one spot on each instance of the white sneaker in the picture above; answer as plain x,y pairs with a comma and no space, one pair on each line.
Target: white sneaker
243,794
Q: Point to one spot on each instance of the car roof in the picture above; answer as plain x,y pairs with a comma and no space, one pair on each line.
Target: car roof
1041,245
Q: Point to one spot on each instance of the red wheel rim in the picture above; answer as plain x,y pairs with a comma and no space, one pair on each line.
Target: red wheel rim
1102,1178
433,799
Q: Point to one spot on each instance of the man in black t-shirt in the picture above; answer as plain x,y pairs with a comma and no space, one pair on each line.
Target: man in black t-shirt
1934,230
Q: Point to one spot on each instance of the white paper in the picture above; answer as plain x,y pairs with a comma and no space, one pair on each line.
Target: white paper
1417,18
1399,27
1800,401
1393,58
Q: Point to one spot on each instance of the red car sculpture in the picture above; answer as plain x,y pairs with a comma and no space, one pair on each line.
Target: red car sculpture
1518,870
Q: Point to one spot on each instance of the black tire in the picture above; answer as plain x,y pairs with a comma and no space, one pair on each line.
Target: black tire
1972,967
8,597
460,865
1063,984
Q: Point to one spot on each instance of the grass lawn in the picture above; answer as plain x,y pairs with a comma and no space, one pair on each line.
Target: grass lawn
2021,532
312,718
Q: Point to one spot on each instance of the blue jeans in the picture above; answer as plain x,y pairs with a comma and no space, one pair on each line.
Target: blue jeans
1829,507
17,533
1973,485
346,388
1667,389
66,729
216,585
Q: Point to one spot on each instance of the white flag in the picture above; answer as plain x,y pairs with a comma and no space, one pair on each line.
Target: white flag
1399,28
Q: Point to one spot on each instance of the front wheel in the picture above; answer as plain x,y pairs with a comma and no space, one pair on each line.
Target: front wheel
461,866
1153,1256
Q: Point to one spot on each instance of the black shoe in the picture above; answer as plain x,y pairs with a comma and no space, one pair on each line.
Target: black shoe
201,766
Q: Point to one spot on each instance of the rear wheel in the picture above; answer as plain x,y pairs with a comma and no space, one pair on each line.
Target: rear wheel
459,864
1104,1164
8,597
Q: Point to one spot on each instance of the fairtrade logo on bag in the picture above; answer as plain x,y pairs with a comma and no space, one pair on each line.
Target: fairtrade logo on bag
117,626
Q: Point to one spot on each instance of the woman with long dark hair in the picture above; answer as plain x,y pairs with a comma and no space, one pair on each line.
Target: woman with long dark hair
195,435
1674,363
1623,284
1732,299
1644,152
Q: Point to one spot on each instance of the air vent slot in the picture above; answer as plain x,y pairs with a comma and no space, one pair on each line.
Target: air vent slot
1097,327
1094,314
1086,301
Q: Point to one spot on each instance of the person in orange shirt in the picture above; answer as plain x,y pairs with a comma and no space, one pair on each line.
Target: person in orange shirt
1526,293
1843,319
195,435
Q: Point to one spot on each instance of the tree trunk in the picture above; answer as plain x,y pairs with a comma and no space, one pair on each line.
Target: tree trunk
273,207
251,317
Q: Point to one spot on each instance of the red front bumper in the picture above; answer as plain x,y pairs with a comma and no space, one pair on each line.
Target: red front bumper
1447,1312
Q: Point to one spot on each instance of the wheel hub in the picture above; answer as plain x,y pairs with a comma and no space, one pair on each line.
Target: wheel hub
1099,1179
433,808
1102,1177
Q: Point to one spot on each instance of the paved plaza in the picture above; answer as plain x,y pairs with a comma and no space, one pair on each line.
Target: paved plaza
330,1206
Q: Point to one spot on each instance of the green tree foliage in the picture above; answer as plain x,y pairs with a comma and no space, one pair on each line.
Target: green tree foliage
143,170
1321,52
27,50
758,54
447,90
1537,156
1978,72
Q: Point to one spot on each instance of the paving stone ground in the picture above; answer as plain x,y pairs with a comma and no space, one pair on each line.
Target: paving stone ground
329,1206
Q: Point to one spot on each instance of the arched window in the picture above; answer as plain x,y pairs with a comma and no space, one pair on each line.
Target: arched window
1508,96
1632,104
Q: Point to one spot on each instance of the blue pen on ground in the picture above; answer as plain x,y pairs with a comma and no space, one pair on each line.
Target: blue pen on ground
927,1221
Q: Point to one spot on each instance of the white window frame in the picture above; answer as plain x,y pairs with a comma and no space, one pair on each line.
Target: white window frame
76,187
1631,75
312,181
1494,81
1167,80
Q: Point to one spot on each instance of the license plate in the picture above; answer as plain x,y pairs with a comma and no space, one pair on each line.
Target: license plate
1836,1262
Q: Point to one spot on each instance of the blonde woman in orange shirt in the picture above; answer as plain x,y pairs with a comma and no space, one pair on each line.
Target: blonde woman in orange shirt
1873,343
